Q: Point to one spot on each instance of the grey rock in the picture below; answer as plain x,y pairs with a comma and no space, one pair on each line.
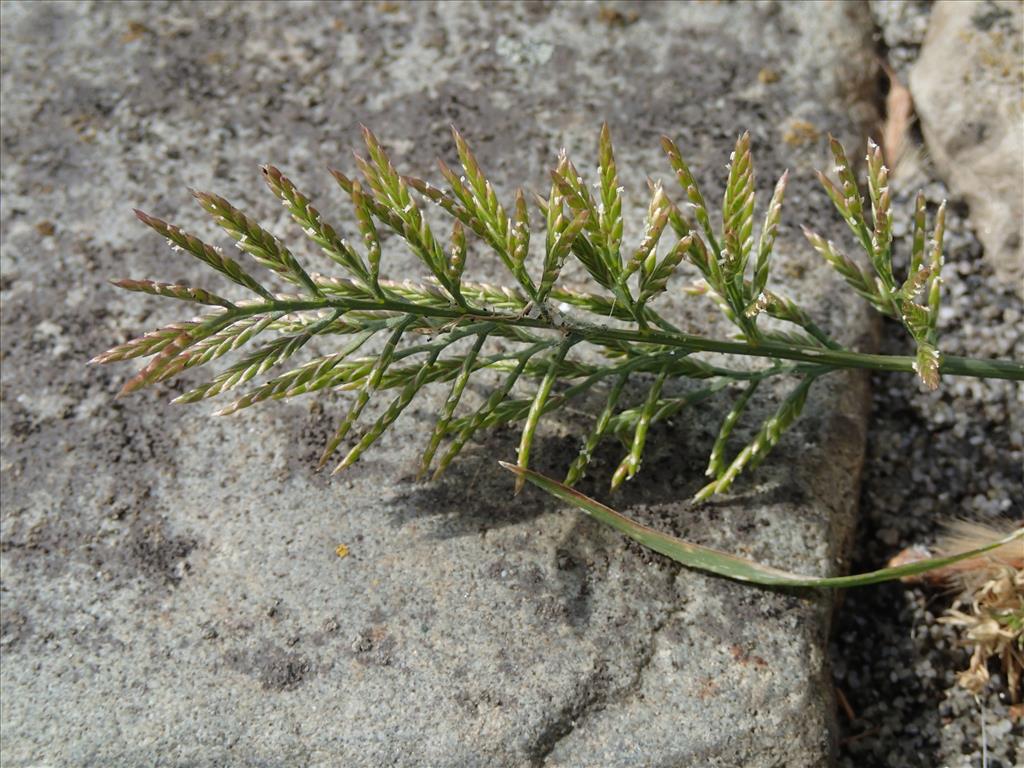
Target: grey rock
968,89
171,592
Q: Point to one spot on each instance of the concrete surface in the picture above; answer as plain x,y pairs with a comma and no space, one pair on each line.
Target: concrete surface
170,589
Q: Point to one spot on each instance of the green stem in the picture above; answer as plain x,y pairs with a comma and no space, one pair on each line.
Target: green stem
596,334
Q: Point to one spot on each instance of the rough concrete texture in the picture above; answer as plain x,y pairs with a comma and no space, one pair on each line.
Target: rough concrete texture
171,592
968,89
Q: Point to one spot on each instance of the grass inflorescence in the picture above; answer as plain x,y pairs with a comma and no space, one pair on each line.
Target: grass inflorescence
531,315
544,341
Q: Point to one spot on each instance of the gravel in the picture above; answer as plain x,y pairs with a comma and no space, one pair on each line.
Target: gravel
902,25
932,456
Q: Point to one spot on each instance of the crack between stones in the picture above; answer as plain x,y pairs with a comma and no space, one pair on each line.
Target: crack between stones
593,696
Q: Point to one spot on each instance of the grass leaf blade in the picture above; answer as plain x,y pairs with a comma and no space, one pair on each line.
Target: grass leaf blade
730,566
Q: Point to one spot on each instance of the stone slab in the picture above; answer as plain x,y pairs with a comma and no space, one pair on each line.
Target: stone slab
170,589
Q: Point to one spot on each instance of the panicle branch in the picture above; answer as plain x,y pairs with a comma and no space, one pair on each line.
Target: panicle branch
521,342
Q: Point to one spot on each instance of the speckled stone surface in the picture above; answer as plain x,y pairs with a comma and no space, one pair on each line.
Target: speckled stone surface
170,589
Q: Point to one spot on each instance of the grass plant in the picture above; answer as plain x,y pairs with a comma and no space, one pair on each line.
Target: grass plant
543,342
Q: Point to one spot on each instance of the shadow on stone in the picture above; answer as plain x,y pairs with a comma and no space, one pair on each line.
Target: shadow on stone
476,495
